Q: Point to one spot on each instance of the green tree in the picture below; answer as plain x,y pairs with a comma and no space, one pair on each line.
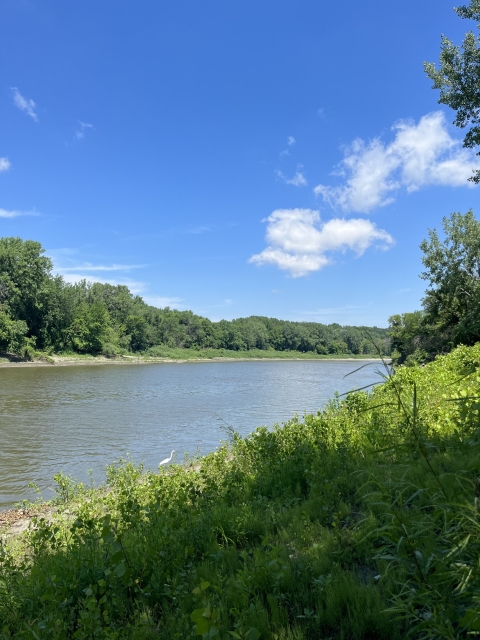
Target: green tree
354,339
136,328
12,334
452,267
407,334
118,300
458,78
90,328
338,347
25,277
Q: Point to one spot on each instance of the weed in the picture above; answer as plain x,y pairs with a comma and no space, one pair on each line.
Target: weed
359,522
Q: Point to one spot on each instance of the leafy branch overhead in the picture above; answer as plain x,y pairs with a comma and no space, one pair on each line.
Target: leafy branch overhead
458,79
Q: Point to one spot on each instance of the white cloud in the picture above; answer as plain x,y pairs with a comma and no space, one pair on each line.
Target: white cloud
4,164
24,104
420,155
135,286
72,270
161,302
197,230
100,267
298,179
80,133
13,213
299,242
290,142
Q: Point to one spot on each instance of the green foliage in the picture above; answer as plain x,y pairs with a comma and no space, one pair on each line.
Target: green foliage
12,334
89,330
458,78
451,306
359,522
137,330
25,276
102,318
452,301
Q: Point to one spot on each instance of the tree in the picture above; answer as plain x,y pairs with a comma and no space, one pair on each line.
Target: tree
25,275
136,327
407,334
458,79
12,334
354,338
452,301
117,299
89,331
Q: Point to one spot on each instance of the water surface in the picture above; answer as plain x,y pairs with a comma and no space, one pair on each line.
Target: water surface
75,418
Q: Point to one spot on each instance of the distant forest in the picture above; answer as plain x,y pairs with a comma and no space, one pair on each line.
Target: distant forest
41,312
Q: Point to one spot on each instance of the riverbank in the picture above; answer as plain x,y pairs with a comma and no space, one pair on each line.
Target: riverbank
190,356
358,522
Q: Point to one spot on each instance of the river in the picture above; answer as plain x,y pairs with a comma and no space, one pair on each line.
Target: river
76,418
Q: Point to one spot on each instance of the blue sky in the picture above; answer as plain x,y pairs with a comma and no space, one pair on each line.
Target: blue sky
233,158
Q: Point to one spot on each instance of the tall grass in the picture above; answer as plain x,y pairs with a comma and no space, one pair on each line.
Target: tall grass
358,522
177,353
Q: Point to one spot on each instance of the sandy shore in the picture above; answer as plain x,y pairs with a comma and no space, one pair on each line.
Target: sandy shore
14,522
123,360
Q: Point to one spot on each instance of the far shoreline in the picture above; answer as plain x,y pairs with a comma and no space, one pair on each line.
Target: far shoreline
62,361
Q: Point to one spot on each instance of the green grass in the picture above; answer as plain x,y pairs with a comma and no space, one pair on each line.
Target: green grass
174,353
359,522
189,354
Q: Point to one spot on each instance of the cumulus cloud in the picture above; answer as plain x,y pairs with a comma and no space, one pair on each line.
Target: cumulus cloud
80,133
4,164
420,155
290,141
24,104
15,213
298,179
299,242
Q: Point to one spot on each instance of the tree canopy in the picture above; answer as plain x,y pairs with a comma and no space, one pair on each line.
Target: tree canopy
458,78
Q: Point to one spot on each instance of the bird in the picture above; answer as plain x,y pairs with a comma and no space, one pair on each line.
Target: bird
167,459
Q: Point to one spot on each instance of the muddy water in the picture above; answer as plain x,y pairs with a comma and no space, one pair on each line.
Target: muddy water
76,418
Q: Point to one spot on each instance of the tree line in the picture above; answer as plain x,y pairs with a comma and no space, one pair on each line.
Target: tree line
39,311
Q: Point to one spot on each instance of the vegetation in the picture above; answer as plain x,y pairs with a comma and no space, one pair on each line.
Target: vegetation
451,306
458,78
358,522
41,311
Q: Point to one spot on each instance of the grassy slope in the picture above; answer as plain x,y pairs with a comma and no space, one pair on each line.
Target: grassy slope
360,522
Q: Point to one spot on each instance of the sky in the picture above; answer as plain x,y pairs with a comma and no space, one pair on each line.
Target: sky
282,158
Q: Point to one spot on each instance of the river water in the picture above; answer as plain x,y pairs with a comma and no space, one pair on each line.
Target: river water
76,418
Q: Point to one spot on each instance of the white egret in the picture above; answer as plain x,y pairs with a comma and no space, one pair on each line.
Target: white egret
167,460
